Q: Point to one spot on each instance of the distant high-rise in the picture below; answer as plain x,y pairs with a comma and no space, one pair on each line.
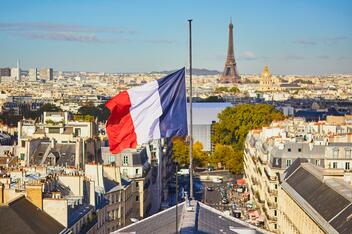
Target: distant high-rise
46,73
230,74
32,73
5,71
18,75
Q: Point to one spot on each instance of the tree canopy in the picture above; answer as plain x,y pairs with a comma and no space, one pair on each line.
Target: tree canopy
235,122
232,128
180,152
100,112
233,90
227,157
47,107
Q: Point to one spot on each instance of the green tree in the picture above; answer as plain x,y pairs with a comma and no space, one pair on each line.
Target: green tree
234,124
48,107
234,90
221,90
200,158
180,153
100,112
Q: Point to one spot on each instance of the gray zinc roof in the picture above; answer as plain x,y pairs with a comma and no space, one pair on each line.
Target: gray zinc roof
207,220
297,149
330,208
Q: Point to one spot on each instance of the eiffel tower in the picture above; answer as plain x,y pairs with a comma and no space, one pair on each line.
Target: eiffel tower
230,74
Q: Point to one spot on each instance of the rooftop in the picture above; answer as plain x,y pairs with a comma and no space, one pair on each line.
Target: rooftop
205,220
21,216
327,202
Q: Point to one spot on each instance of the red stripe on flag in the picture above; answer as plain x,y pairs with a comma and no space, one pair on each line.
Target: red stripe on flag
120,128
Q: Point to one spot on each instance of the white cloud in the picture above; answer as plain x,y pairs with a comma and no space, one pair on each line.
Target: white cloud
249,55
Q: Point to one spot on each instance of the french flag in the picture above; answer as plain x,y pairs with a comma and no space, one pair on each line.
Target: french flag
151,111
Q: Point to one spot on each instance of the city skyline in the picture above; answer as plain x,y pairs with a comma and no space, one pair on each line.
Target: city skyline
120,36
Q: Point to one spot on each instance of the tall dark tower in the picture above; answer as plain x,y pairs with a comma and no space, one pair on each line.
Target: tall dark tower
230,74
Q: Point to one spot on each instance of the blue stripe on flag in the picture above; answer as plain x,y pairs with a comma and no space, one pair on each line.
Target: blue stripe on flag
172,92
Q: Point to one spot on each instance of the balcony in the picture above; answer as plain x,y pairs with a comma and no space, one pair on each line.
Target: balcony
255,160
270,218
270,177
254,181
258,198
272,205
272,192
262,161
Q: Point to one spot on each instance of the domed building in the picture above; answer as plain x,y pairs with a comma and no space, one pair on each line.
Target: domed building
266,80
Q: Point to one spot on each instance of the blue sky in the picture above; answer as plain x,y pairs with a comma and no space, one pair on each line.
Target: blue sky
292,37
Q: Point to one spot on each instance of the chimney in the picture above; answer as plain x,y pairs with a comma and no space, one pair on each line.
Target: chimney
56,195
92,193
35,195
78,153
19,127
52,143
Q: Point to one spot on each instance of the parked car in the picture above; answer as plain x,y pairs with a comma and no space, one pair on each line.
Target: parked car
217,181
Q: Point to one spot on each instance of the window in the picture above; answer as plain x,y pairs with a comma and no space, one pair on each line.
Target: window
125,160
334,165
77,132
275,199
124,172
299,150
288,162
111,215
347,165
23,144
22,156
137,171
276,162
289,149
111,159
54,130
137,198
335,153
347,153
275,212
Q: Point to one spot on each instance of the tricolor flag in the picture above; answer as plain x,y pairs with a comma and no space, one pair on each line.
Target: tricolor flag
151,111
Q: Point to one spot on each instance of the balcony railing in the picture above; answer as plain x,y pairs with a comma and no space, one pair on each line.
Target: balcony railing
270,177
272,205
257,196
272,192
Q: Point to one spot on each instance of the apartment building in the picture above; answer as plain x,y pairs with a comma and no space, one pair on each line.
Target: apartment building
314,200
271,150
67,135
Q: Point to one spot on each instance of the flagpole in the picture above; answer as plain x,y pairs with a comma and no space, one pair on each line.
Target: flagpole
190,114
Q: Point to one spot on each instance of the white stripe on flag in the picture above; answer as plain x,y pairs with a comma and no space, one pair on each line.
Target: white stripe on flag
145,111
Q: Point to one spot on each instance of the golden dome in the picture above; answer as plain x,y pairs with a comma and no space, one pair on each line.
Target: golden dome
266,72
